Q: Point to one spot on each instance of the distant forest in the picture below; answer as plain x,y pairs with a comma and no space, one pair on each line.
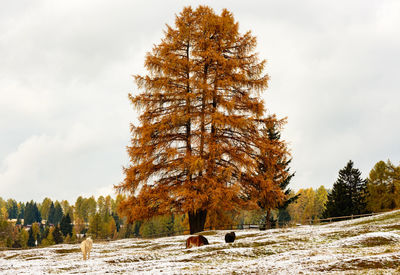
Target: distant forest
51,222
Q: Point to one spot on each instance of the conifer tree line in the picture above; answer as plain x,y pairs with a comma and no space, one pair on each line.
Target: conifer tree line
53,222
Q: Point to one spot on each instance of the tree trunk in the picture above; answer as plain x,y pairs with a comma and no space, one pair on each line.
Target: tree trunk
197,220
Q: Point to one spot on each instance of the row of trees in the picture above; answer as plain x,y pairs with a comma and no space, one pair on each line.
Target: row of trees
351,194
51,222
53,211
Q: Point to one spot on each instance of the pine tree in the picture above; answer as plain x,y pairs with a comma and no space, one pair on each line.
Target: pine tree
57,235
66,225
28,214
117,220
348,195
45,233
12,208
31,239
21,211
51,214
58,213
200,120
31,213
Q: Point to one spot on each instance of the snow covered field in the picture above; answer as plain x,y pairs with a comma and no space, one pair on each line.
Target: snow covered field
361,246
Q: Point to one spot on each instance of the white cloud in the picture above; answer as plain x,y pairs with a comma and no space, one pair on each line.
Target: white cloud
61,166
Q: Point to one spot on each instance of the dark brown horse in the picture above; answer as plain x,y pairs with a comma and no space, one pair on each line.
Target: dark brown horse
230,237
198,240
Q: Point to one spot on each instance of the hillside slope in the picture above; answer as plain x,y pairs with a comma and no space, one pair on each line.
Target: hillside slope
361,246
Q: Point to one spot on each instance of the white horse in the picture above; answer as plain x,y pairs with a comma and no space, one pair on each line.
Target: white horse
86,246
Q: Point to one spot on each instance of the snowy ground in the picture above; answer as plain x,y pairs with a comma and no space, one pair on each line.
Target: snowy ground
361,246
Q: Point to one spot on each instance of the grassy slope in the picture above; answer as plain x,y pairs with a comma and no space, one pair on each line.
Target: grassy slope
361,246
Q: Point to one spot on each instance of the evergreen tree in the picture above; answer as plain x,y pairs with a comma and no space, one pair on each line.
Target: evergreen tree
21,210
57,235
283,216
66,225
12,208
277,159
117,220
31,213
58,213
31,239
36,212
29,216
51,214
45,232
348,195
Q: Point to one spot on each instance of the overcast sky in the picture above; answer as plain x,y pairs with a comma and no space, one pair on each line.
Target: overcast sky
66,66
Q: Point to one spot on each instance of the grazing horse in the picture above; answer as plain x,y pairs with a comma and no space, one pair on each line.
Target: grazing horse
230,237
86,246
198,240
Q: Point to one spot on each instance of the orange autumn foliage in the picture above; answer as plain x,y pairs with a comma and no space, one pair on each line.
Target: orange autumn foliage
200,132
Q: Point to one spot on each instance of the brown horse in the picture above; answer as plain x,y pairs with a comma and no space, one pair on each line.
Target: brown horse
198,240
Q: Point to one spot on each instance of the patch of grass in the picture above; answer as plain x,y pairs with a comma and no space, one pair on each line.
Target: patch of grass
258,252
106,251
133,259
252,244
390,250
67,268
375,241
360,264
158,246
207,233
392,227
126,260
389,216
137,245
34,258
247,236
346,234
24,256
11,257
66,251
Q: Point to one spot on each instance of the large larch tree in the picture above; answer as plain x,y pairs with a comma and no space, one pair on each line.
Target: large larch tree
200,121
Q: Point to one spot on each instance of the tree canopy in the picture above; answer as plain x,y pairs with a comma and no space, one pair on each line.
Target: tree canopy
201,122
384,187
